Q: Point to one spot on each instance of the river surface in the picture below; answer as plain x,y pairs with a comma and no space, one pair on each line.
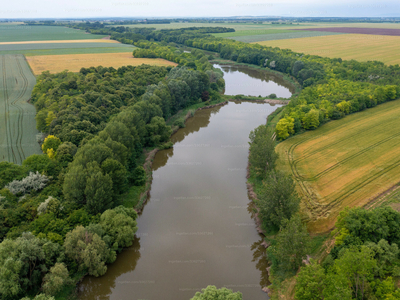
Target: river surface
197,227
253,82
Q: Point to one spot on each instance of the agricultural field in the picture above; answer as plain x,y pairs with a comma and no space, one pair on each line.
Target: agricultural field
344,163
51,46
18,128
282,35
17,33
73,63
361,47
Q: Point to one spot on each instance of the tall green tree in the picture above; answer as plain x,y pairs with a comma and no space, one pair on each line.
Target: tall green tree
292,244
277,200
262,156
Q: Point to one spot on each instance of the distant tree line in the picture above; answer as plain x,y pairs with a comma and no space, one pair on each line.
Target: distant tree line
332,87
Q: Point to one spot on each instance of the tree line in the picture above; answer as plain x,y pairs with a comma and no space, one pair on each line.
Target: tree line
333,88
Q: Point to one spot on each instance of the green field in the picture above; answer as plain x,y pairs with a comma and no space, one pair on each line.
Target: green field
49,46
18,126
19,33
69,51
285,34
348,162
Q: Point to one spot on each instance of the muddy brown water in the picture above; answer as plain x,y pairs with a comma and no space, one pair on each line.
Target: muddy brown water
197,227
254,82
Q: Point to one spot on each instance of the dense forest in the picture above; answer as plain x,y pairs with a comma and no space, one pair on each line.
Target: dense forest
64,213
332,88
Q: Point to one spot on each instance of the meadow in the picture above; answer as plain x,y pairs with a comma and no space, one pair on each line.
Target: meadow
16,33
74,62
361,47
344,163
18,129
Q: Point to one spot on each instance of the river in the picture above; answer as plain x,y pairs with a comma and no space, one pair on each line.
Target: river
254,82
197,227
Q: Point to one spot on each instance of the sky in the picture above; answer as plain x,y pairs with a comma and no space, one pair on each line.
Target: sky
197,8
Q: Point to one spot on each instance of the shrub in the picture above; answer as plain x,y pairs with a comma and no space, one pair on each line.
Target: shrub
34,181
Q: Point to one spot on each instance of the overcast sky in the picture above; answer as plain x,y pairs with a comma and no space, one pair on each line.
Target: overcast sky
197,8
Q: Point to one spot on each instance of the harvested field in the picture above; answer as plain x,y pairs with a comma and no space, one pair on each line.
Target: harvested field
360,47
65,51
281,36
348,162
375,31
18,33
18,128
73,63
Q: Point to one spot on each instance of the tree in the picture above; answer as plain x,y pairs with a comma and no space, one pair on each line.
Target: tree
23,262
212,293
99,190
311,119
119,226
310,282
88,250
357,265
54,281
292,244
139,176
284,128
157,131
336,287
262,156
277,200
51,142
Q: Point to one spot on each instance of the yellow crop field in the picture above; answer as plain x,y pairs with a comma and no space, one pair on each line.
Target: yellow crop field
74,62
61,42
361,47
347,162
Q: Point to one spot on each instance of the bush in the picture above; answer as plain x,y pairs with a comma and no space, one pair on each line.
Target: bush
272,96
180,123
139,176
34,181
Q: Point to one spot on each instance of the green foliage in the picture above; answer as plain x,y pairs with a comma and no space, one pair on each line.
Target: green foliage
262,156
277,200
310,282
212,293
292,245
119,226
23,262
54,281
139,176
284,128
88,250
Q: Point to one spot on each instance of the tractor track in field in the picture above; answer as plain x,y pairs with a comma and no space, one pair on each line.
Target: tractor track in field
322,210
20,109
6,113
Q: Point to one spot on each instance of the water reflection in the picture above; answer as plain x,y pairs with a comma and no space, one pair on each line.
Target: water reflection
254,82
197,228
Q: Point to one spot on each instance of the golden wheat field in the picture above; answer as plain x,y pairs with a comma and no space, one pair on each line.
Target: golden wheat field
74,62
347,162
361,47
